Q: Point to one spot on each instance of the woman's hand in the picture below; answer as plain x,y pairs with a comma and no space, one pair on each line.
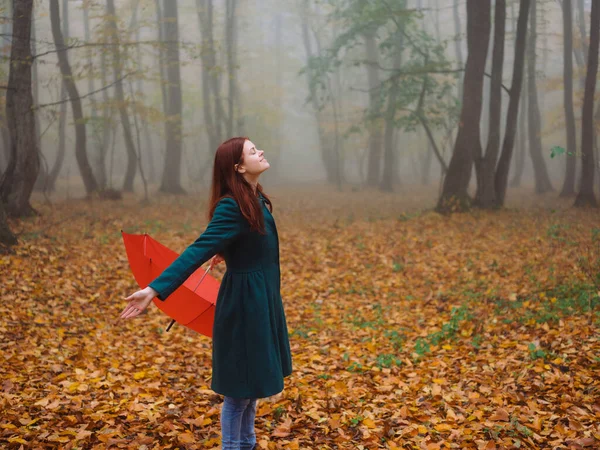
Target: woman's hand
217,259
138,302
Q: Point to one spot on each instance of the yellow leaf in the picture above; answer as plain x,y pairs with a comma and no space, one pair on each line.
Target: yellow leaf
369,423
422,429
139,375
443,427
186,438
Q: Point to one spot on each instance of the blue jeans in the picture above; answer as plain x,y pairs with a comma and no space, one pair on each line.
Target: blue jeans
237,423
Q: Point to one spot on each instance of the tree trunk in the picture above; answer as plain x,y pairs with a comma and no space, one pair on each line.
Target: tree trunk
171,180
231,47
521,148
486,166
581,25
389,164
542,180
6,28
42,179
501,177
326,153
106,124
80,135
62,114
454,195
7,238
210,102
19,178
458,45
120,97
568,188
586,196
98,159
375,135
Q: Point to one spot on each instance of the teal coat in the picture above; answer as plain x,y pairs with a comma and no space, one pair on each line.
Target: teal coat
251,350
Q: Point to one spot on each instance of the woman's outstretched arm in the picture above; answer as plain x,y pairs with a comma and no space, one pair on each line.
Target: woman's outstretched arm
226,225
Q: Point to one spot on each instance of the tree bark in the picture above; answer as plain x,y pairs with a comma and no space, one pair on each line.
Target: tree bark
80,134
458,45
98,157
586,196
542,180
568,187
389,156
521,146
171,180
231,47
120,97
62,114
6,28
7,238
454,195
213,106
485,166
42,178
375,135
327,156
581,24
501,177
16,184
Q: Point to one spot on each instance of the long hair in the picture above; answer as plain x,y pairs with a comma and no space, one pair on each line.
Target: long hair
227,182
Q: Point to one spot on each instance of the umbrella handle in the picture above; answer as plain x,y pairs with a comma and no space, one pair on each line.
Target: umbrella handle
203,276
171,324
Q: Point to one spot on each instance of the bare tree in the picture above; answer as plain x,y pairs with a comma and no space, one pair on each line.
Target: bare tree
389,165
501,177
112,19
458,44
19,178
328,155
520,143
67,75
375,129
62,113
211,93
568,187
468,143
171,179
542,179
586,196
231,37
486,165
5,28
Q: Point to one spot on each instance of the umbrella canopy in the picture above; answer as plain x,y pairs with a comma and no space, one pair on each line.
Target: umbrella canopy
193,303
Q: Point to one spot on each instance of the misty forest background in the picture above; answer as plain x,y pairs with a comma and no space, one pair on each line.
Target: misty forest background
434,172
105,97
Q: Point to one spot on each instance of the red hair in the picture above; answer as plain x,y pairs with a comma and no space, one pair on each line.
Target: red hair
227,182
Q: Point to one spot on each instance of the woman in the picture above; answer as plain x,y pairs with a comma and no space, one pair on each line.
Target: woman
251,351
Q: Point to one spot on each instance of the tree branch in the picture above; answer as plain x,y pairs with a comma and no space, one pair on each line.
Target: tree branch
43,105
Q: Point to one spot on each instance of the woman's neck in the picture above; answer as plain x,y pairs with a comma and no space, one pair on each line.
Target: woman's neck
253,182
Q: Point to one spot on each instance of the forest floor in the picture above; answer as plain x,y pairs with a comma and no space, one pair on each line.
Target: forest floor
408,329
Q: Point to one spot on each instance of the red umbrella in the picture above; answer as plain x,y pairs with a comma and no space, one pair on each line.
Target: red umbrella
193,303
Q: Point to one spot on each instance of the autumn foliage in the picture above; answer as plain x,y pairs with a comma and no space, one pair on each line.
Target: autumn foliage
408,329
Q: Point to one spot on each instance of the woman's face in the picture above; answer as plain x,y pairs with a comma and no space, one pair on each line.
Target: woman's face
255,162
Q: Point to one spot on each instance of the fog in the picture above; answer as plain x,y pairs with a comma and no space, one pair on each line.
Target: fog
272,104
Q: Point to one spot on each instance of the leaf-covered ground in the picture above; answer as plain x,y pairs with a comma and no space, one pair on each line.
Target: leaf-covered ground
408,329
